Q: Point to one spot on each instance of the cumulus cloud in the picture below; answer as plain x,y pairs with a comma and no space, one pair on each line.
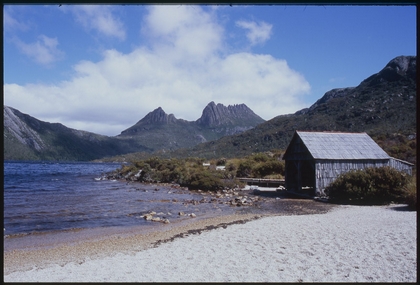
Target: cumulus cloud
182,70
183,31
44,51
99,18
258,33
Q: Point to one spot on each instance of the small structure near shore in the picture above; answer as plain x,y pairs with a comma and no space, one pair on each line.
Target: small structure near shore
316,159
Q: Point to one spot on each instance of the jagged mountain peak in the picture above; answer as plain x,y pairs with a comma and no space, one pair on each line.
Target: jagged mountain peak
217,120
158,116
218,114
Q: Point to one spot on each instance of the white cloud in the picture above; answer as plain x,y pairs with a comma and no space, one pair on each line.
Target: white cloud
44,51
177,72
99,18
187,31
11,23
258,33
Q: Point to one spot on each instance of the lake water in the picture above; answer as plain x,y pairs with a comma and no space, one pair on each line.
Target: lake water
42,197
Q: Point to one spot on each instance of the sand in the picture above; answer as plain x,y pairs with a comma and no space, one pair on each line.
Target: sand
347,244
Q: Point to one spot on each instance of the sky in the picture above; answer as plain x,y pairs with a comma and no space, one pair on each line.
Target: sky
102,68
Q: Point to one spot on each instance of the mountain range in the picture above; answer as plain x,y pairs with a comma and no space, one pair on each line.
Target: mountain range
383,105
160,131
27,138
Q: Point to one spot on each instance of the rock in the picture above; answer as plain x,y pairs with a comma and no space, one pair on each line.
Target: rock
192,215
165,221
148,217
157,219
181,213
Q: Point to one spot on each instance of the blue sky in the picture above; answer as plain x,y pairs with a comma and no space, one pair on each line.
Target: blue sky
103,68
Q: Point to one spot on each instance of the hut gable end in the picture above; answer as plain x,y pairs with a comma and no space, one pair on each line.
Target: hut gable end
297,150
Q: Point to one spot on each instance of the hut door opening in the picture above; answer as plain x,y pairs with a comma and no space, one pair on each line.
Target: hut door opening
307,177
300,176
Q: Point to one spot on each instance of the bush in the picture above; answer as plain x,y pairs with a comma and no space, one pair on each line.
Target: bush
410,193
268,168
370,186
260,157
205,180
244,169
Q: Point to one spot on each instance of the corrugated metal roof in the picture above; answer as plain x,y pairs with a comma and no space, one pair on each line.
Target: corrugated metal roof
327,145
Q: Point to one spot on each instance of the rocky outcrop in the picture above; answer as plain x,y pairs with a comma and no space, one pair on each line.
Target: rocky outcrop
27,138
158,116
216,115
20,129
399,68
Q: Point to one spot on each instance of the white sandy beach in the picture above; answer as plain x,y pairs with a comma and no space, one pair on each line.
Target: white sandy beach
347,244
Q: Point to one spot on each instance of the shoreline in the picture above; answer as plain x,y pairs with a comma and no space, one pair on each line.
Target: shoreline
126,242
345,244
45,249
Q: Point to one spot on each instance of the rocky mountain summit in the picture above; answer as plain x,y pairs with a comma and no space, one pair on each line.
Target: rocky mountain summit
159,116
160,131
217,115
399,68
236,118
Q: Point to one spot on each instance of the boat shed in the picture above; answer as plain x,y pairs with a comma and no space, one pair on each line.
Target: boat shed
316,159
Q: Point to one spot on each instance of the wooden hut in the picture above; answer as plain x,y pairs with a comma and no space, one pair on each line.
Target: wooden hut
315,159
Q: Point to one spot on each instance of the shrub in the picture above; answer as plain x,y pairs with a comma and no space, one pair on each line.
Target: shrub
260,157
269,167
244,169
370,186
205,180
127,169
410,193
153,162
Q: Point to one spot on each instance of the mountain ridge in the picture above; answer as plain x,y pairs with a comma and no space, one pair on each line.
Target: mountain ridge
383,105
29,138
160,131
